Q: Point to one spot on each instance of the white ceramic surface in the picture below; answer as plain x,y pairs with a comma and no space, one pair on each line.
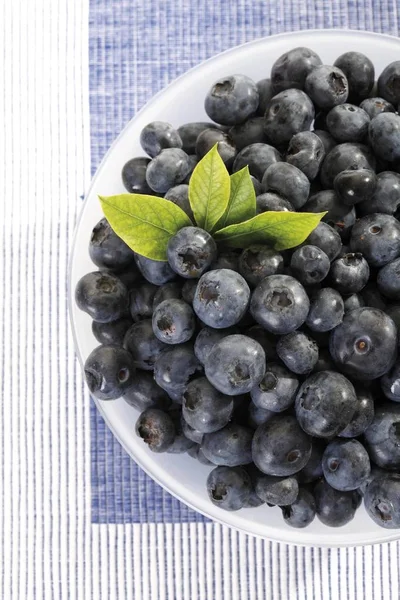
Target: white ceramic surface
180,102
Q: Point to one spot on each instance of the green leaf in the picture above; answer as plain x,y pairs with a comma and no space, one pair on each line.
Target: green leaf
145,223
242,200
282,230
209,189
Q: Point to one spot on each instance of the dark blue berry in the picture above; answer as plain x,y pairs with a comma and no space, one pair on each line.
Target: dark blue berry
189,132
204,408
363,415
382,500
302,512
107,250
326,310
377,237
347,123
206,338
157,136
298,352
354,187
350,273
154,271
231,100
287,181
389,83
288,113
310,264
179,195
112,333
230,446
102,295
384,136
388,280
226,146
141,301
376,106
144,393
191,251
109,371
167,169
271,201
156,428
257,262
344,157
249,132
173,369
327,239
291,69
335,508
134,176
265,93
327,86
278,491
382,437
173,321
258,157
277,389
306,152
360,74
143,344
168,291
345,464
228,488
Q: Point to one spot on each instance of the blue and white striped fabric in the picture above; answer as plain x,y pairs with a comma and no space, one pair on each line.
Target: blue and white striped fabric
78,519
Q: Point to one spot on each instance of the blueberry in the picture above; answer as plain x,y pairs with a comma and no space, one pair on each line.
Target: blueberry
335,508
206,339
102,295
231,100
112,333
204,407
327,239
189,132
156,428
347,123
230,446
312,471
364,345
386,196
388,280
377,237
353,301
350,273
280,304
287,113
192,434
154,271
298,352
353,187
226,146
229,488
144,393
173,369
382,500
280,447
325,404
196,452
168,291
109,371
167,169
249,132
363,415
326,310
157,136
389,83
384,136
291,69
265,93
179,195
189,290
266,340
235,365
310,264
360,74
277,389
221,299
302,512
327,86
257,262
107,250
191,251
328,141
344,157
288,181
278,491
256,415
271,201
306,152
134,176
345,464
258,157
141,301
173,321
376,106
143,344
382,437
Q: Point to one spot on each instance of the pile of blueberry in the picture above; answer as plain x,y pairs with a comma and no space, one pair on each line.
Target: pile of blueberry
278,369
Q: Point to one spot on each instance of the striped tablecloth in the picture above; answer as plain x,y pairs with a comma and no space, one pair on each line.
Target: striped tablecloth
78,519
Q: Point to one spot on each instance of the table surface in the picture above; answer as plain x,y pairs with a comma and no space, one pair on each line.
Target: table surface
78,519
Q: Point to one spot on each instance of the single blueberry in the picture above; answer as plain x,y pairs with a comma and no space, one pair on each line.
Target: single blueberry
386,196
287,181
228,488
134,176
327,239
309,264
258,157
265,93
354,187
360,74
280,447
327,86
377,237
102,296
173,369
141,301
389,83
376,106
249,132
144,393
363,415
154,271
107,250
306,151
326,310
179,195
364,345
221,299
335,508
288,113
157,136
353,301
189,132
298,352
291,69
271,201
226,146
350,273
173,321
344,157
382,437
191,251
278,491
109,371
231,100
112,333
347,123
156,428
167,169
258,261
325,404
235,365
302,512
382,500
388,280
345,464
384,136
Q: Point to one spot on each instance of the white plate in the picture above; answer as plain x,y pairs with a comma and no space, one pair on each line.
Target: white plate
180,102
